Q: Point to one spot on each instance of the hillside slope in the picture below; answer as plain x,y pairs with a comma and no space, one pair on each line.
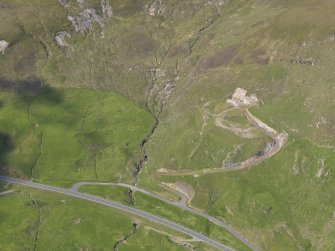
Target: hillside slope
181,61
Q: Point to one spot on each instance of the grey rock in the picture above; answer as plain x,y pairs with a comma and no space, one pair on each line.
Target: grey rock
106,8
3,46
156,8
305,61
60,38
83,21
216,2
63,2
81,3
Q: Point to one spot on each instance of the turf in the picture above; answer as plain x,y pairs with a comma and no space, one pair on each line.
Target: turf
50,221
260,196
72,134
193,54
156,207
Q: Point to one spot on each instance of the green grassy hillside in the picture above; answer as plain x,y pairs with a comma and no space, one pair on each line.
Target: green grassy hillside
71,134
173,64
43,221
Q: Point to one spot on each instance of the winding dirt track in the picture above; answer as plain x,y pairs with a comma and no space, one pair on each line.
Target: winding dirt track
277,142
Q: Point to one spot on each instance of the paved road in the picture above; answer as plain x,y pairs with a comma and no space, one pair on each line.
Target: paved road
181,204
77,185
121,207
183,198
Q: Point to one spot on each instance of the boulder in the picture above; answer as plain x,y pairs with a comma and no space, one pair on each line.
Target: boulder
3,46
60,38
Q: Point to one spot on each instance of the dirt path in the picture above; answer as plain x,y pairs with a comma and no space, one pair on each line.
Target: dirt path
7,192
247,132
278,140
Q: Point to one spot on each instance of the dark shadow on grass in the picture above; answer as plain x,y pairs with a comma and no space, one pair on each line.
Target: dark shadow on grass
28,89
6,145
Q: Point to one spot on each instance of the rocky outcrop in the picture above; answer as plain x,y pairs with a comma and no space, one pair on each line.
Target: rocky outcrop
216,2
60,38
156,8
63,2
83,21
106,9
305,61
3,46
